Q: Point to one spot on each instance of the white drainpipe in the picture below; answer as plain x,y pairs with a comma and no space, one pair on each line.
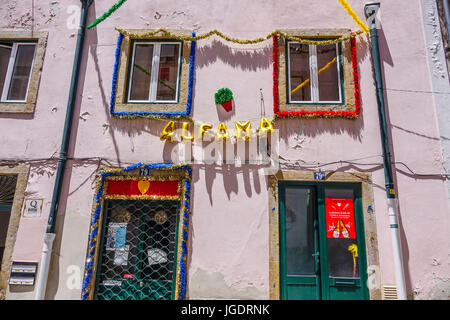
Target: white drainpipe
44,266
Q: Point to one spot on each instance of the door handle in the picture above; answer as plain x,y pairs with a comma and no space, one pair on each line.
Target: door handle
344,282
316,255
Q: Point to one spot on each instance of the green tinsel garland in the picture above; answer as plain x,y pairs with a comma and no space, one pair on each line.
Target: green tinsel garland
223,95
106,14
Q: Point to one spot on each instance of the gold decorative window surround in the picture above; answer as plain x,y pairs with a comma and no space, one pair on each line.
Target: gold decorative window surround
40,39
122,103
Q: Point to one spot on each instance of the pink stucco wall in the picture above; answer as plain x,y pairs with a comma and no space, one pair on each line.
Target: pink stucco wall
229,226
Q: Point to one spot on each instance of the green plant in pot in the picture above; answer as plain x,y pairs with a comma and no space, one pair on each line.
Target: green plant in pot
224,97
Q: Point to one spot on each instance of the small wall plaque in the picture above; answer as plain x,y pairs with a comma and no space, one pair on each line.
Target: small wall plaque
33,208
319,175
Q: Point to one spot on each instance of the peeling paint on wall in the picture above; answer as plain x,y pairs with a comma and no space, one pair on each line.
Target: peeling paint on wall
439,78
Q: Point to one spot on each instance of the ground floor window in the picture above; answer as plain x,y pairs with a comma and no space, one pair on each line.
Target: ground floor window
138,250
7,190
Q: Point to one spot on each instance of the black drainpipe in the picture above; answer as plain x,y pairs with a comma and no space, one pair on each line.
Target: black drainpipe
371,10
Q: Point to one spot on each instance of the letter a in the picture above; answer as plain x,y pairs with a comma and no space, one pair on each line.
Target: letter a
168,131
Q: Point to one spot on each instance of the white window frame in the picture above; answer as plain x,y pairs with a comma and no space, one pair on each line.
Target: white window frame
314,76
9,72
154,76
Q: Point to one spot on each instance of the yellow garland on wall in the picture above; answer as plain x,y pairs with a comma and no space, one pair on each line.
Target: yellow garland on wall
168,34
354,16
301,85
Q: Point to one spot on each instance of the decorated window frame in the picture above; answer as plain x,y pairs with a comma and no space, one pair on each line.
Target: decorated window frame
15,38
349,105
141,172
122,107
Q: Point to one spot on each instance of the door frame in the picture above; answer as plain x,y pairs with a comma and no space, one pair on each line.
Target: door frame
22,171
368,229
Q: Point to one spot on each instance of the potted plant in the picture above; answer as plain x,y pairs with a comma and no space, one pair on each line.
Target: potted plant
224,96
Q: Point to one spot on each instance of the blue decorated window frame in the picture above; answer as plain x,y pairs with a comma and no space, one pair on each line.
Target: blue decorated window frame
140,170
119,104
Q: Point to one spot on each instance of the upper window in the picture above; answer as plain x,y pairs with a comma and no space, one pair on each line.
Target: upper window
314,73
16,64
316,78
21,62
154,72
153,77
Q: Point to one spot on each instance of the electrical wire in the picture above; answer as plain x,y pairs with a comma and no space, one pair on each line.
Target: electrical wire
298,164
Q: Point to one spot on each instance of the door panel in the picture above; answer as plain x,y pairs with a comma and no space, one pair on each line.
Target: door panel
342,207
298,231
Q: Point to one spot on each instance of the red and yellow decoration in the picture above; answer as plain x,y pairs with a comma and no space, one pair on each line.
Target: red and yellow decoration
118,187
319,113
340,219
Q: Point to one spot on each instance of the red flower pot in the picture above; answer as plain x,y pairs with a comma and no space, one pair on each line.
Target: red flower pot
227,105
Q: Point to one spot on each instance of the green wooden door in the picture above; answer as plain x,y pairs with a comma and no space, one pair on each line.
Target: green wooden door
138,250
322,251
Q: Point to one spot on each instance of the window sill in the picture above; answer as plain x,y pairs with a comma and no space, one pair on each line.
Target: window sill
16,108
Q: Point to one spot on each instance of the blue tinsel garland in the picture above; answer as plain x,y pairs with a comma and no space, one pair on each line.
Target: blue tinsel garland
137,114
95,219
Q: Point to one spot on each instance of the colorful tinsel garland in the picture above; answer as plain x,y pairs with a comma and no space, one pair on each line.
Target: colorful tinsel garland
315,114
106,14
88,279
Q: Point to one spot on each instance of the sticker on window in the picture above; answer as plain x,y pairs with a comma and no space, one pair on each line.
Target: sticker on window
116,236
121,256
156,256
340,218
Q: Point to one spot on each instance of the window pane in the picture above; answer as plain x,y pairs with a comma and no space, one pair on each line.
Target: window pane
142,68
299,222
328,73
299,72
168,72
5,53
21,72
343,259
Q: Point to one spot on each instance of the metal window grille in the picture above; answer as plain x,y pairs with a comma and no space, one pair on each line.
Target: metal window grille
7,189
138,248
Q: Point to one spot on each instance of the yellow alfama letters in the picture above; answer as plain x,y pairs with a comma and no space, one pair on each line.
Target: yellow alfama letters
247,127
184,131
168,131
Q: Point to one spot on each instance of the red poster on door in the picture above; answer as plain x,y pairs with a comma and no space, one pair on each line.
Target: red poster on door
340,218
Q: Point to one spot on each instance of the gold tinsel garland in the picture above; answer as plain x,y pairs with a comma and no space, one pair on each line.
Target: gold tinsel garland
168,34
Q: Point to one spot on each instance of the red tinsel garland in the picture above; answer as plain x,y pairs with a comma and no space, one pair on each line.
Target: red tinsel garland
316,114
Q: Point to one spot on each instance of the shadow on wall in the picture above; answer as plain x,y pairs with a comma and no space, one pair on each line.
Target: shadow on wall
313,127
250,174
248,59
